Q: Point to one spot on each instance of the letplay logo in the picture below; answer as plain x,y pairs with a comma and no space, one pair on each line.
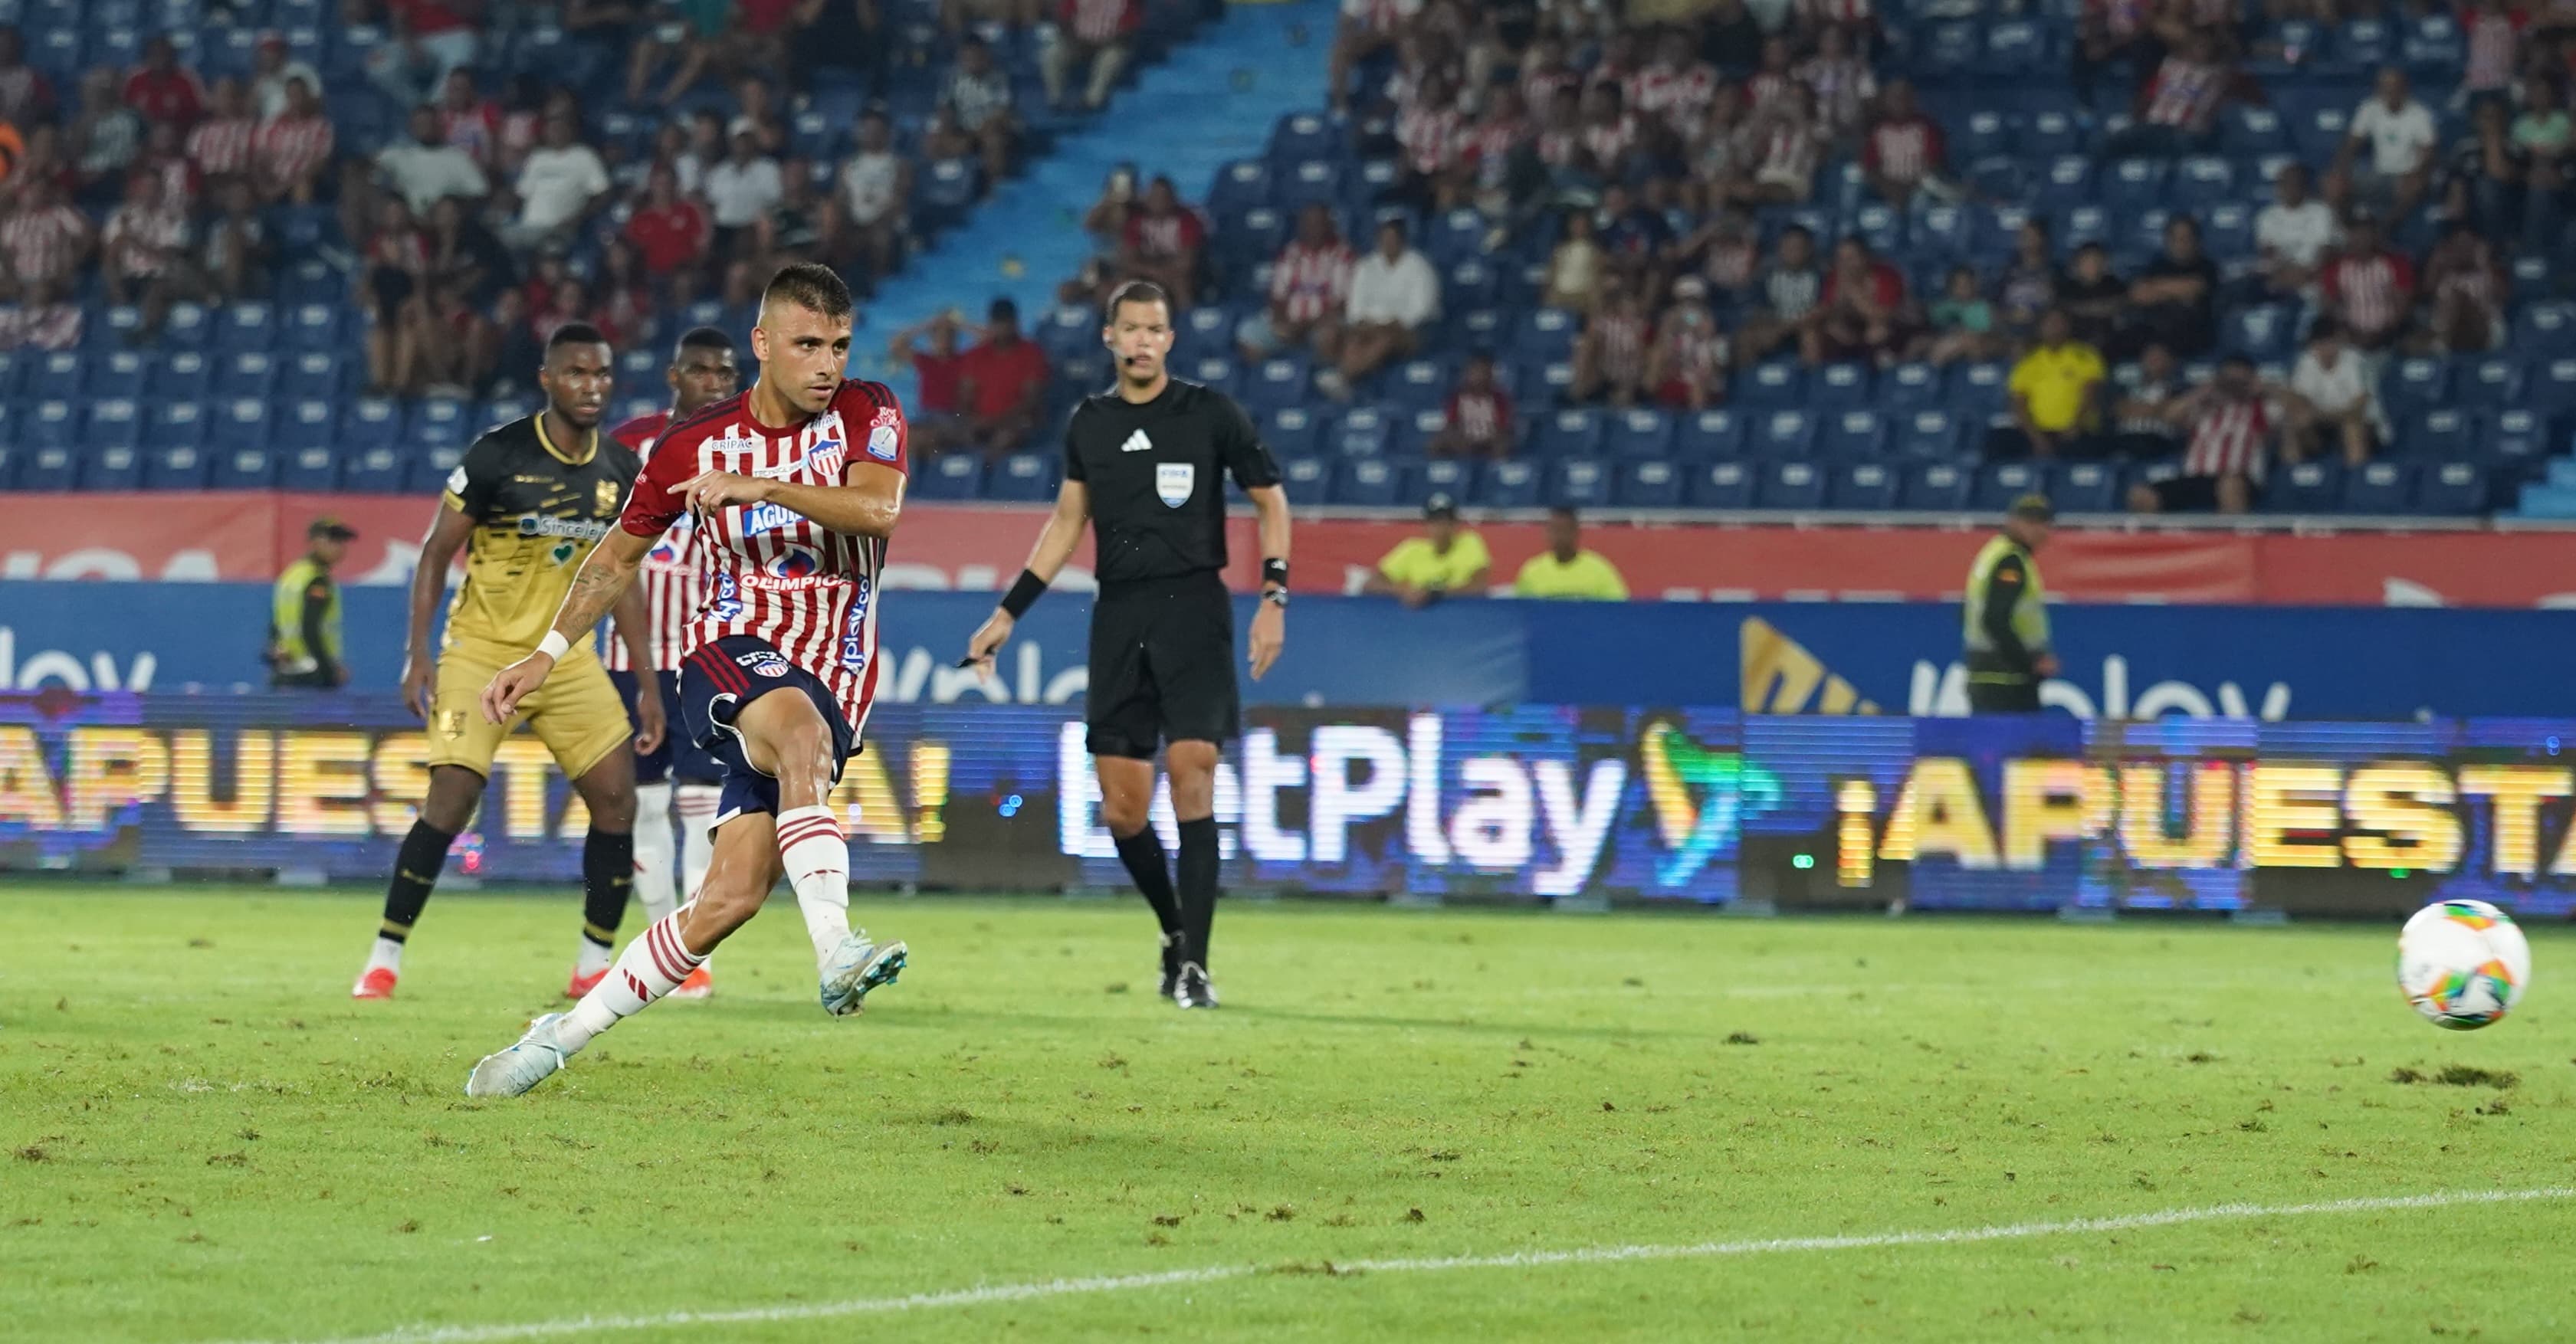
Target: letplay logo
1702,797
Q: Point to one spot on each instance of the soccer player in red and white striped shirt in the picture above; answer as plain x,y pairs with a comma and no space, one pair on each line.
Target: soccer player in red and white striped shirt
702,373
795,488
2231,433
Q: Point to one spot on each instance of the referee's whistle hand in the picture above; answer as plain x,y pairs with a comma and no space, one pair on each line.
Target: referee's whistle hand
987,642
1269,635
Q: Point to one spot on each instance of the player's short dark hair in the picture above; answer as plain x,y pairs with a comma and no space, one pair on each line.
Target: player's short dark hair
574,333
701,338
1138,291
810,284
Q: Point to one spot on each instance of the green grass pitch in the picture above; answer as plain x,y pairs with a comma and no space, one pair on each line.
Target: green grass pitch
202,1138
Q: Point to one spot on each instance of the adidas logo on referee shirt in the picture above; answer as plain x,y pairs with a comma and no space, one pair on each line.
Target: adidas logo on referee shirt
1137,443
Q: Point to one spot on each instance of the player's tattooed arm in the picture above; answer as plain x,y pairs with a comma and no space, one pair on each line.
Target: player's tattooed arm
867,504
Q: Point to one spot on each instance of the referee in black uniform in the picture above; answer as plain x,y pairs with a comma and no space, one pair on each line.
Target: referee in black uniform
1143,463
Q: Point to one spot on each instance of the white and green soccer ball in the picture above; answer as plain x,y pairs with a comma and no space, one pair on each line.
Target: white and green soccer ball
2463,964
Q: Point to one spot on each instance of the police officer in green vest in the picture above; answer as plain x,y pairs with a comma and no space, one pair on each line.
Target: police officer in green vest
2004,625
304,614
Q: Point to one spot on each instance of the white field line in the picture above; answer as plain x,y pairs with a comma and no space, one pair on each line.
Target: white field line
1588,1255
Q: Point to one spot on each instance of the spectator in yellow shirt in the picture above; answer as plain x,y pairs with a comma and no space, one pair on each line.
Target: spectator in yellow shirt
1446,560
2055,390
1566,570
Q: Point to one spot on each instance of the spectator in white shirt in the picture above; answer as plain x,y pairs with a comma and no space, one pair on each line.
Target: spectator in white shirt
2293,233
2401,137
271,67
430,168
2335,399
742,188
1394,292
560,183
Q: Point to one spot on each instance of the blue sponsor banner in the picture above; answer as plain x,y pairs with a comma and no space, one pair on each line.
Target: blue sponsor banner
1533,802
2265,663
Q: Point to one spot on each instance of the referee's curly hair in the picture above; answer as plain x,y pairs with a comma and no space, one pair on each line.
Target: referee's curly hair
811,285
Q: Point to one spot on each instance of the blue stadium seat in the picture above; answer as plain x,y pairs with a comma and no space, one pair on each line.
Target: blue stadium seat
1292,431
242,423
311,467
2409,387
1023,478
2546,330
503,410
315,326
1240,185
2065,183
2492,381
2305,487
1865,485
246,326
1989,135
1509,485
1216,372
1977,392
11,455
2266,334
1721,485
2086,487
1277,384
122,468
244,469
1839,387
47,467
185,375
376,471
246,374
2456,488
1791,485
1706,436
114,422
2516,442
1545,333
1451,476
124,372
51,424
1578,483
1852,435
1575,432
2442,433
1308,480
1939,486
2201,182
174,423
2316,135
1365,431
1419,384
2380,488
2135,184
189,327
1641,434
950,477
2000,483
1772,384
1313,182
1415,433
311,373
2248,132
59,376
1785,434
1648,484
15,366
436,421
1910,387
1302,135
1930,434
2551,388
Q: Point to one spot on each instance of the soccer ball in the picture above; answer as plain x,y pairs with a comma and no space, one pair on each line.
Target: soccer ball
2463,964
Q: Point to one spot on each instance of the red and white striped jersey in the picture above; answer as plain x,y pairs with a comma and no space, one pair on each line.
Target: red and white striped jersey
43,244
1907,150
669,573
1433,138
768,571
291,146
2228,440
1844,90
1311,281
222,145
1623,340
2185,93
2372,292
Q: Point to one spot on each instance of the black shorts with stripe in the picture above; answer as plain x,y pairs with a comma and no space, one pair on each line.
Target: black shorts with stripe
716,681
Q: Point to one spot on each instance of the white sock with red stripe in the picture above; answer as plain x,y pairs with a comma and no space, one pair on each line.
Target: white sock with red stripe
653,850
817,856
652,966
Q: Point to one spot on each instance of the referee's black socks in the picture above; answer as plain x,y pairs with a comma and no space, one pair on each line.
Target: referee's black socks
1143,855
1198,885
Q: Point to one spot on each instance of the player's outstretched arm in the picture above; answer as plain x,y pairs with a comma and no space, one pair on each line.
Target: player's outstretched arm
868,503
1270,622
1056,542
448,534
604,577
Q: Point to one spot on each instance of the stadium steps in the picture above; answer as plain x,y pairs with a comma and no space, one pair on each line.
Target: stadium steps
1211,101
2553,496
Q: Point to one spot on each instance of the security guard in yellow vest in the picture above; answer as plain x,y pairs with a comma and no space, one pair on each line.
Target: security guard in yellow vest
2004,625
304,614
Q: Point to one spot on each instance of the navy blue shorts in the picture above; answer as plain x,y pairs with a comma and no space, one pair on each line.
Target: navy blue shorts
677,755
716,681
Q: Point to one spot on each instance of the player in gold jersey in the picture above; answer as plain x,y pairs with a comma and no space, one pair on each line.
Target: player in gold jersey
527,504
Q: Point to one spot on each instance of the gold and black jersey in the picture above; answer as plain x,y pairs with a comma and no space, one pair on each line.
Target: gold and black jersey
538,508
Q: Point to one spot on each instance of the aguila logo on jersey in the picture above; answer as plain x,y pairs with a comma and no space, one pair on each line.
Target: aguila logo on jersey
796,562
764,662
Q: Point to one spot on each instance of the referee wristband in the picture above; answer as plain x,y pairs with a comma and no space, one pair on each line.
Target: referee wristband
1274,572
1024,594
554,645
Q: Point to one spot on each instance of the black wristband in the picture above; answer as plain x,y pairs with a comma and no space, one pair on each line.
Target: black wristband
1024,594
1274,571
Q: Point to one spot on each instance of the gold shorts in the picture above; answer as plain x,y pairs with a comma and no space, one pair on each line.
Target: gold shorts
577,713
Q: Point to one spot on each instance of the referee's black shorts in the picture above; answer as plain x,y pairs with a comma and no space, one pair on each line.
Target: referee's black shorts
1162,665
